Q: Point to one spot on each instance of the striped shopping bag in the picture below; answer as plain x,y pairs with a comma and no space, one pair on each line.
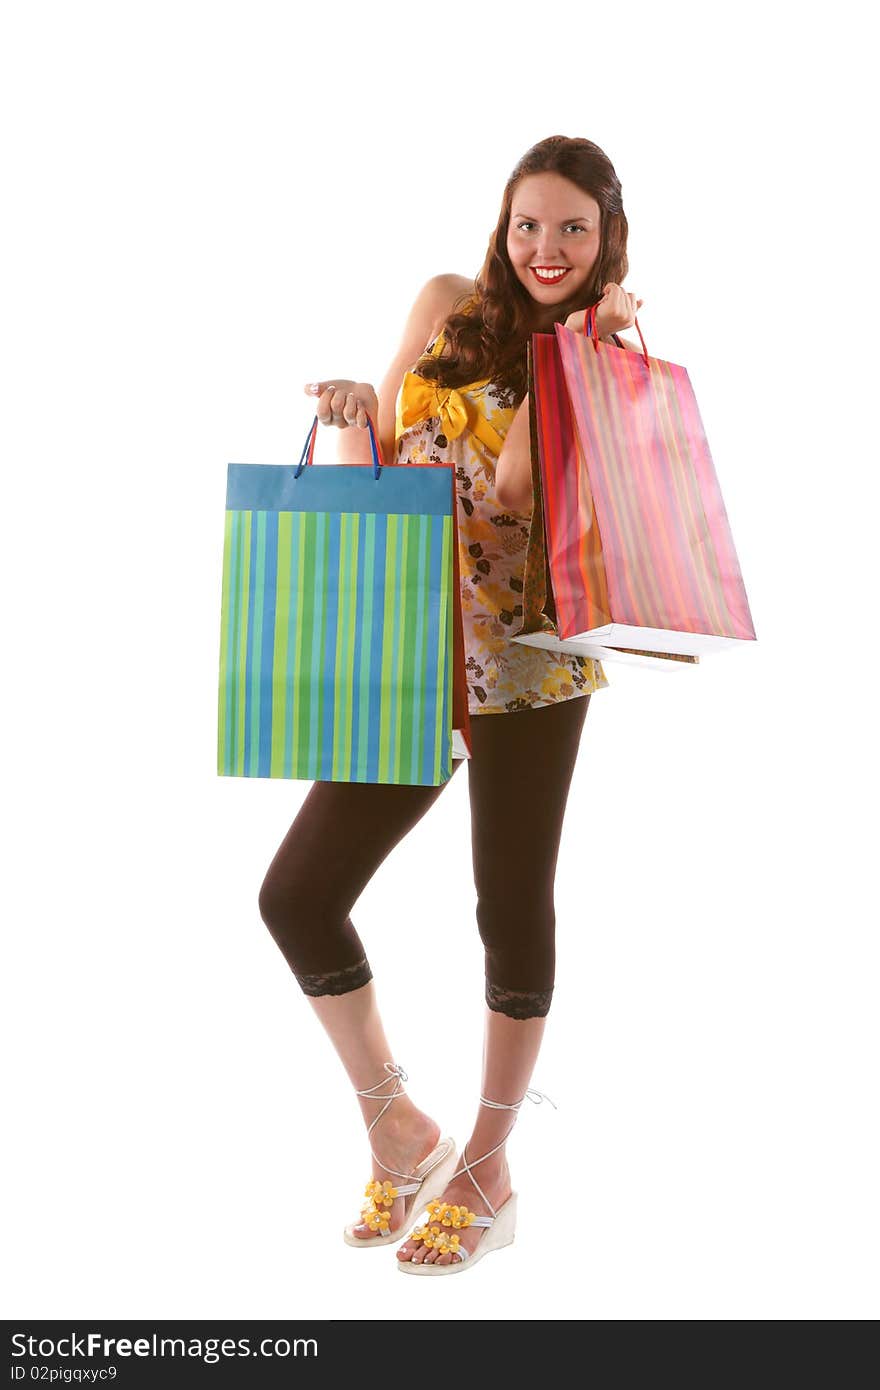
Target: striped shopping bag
630,553
341,645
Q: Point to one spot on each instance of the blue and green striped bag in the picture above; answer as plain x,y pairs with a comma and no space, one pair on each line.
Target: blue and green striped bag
341,651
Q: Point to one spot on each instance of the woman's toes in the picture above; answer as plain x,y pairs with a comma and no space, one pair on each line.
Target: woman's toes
445,1259
406,1251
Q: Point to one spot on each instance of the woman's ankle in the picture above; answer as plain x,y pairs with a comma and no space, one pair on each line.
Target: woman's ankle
400,1121
493,1167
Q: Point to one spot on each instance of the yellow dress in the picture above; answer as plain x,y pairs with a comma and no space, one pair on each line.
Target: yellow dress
466,426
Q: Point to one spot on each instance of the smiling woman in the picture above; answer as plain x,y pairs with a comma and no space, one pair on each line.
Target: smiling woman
557,245
455,397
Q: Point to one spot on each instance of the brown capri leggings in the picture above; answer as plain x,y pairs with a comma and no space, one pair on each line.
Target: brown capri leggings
518,780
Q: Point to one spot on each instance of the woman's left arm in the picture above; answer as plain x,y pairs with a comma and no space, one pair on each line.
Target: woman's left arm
513,467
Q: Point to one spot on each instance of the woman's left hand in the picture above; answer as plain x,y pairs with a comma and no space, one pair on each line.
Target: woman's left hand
616,310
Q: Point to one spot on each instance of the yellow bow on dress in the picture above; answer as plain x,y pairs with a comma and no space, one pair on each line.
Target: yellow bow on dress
419,399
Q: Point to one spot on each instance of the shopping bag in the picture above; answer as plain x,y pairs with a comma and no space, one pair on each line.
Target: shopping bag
341,642
630,553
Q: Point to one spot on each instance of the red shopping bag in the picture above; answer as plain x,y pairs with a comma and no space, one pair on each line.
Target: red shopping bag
630,551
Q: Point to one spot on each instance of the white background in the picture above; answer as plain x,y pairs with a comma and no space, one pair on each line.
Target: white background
206,207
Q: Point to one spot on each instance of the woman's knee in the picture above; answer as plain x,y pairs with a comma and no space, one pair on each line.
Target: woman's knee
275,905
519,939
290,907
514,913
316,938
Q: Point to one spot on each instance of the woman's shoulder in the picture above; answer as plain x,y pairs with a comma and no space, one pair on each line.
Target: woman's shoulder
453,293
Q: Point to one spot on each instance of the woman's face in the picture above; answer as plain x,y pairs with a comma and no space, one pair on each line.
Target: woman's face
553,225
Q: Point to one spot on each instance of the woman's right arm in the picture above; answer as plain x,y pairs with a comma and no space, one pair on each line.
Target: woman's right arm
430,308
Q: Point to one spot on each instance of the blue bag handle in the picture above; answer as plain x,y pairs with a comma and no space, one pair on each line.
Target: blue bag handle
308,453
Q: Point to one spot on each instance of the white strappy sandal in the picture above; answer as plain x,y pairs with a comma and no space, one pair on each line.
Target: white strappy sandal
430,1178
445,1220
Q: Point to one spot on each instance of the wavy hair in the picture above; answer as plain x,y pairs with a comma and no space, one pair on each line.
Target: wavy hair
487,332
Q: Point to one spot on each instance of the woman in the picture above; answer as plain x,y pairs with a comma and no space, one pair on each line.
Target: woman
559,246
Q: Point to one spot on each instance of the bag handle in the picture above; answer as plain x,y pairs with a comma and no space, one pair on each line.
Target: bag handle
308,454
591,331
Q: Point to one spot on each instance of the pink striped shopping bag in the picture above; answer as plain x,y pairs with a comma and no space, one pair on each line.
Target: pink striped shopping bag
632,553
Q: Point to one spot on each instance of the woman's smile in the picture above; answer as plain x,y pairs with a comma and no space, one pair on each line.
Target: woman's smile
547,275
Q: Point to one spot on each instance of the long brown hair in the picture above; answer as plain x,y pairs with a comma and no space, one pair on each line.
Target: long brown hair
487,335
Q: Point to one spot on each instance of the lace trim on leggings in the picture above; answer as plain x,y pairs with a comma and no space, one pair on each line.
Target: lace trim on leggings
518,1003
336,981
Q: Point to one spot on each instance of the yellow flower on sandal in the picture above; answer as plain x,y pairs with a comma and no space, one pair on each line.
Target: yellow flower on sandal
447,1245
381,1193
376,1213
450,1215
435,1238
431,1235
377,1221
459,1217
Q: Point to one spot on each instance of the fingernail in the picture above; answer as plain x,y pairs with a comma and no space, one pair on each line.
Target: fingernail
313,387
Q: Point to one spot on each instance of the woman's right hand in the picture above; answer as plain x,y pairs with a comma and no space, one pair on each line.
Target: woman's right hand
344,403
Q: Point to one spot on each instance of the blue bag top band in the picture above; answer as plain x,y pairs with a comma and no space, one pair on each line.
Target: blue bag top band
341,487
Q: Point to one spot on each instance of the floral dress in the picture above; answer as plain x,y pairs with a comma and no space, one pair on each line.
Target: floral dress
465,426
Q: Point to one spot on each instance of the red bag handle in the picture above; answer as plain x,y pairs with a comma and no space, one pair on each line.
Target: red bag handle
591,331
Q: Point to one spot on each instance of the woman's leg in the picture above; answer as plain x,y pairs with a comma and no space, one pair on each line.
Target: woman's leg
519,779
343,832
